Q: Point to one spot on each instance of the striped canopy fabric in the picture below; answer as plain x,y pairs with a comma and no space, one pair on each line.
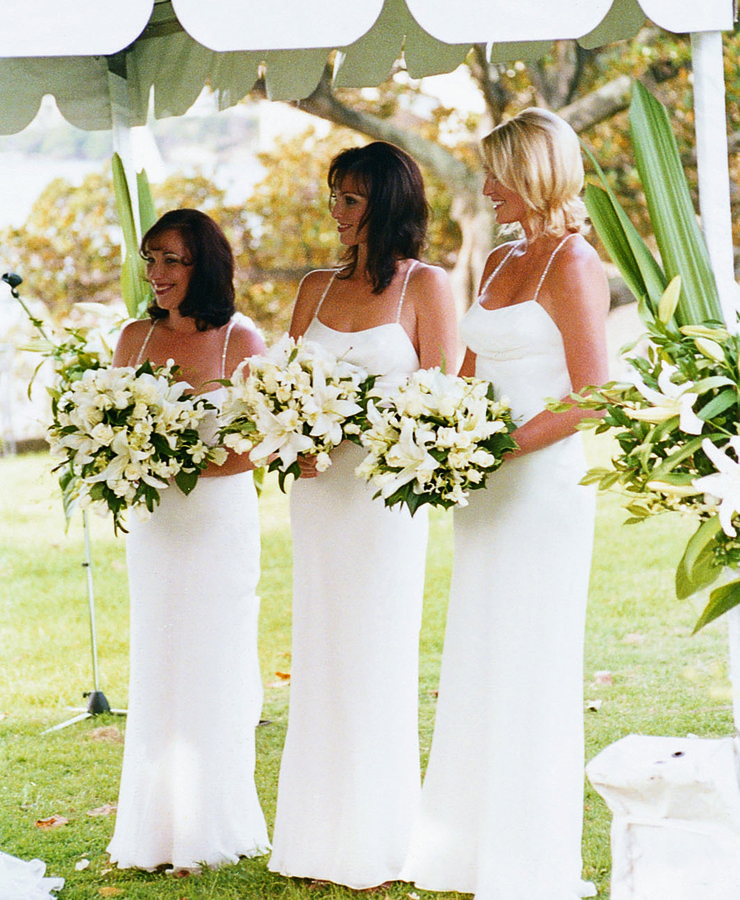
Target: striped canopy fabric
79,50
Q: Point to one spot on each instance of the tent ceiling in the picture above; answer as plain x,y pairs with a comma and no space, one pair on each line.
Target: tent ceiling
71,27
68,48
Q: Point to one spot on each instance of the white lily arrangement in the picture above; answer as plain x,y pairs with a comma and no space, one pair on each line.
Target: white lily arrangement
297,399
123,435
436,438
676,426
677,423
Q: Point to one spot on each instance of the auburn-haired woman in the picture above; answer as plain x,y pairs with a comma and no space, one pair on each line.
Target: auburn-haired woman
187,793
350,777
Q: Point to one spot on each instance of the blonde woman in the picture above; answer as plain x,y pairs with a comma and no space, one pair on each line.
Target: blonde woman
502,802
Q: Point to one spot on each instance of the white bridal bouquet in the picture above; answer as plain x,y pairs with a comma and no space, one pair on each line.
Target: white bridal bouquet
123,435
436,438
296,399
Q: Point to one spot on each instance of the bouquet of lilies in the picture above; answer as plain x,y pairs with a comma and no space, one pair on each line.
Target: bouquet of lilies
123,435
676,424
295,400
436,438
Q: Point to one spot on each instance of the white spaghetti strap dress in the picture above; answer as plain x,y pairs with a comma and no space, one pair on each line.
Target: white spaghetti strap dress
350,774
502,802
187,794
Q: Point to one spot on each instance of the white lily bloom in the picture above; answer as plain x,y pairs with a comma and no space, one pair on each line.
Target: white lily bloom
723,487
413,460
281,437
671,400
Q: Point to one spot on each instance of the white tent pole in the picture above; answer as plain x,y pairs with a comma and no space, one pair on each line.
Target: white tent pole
714,176
716,217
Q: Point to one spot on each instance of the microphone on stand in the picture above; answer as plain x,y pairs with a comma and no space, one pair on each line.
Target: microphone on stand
12,279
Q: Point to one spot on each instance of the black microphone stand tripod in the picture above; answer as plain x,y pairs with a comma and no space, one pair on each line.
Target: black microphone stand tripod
96,699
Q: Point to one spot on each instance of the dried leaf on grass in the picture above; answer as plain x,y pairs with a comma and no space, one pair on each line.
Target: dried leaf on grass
106,733
634,638
51,822
105,810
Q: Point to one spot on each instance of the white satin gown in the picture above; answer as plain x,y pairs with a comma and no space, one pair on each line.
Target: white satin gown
350,773
187,794
502,802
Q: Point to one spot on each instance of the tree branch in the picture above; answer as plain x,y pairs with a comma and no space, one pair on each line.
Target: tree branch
324,103
601,104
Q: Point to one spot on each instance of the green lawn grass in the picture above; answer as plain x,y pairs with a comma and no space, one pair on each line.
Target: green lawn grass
663,681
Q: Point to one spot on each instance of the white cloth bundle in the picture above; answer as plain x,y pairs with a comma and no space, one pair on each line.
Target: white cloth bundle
676,817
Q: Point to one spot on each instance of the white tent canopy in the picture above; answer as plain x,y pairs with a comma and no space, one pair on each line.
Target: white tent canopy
101,27
173,47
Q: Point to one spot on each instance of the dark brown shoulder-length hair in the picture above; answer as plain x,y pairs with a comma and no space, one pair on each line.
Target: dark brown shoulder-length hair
210,298
397,211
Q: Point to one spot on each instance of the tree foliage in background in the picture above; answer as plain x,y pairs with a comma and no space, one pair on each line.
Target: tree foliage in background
69,249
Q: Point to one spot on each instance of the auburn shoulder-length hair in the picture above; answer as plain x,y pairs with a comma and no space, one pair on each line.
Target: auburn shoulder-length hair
397,212
210,298
538,155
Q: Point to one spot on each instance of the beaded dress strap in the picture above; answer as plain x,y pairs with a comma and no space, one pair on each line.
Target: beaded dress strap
329,283
403,289
145,344
498,268
549,263
225,349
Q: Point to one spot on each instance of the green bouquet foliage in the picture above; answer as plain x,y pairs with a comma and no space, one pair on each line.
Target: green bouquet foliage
676,422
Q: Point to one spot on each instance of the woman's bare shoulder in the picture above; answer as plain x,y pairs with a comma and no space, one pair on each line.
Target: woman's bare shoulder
427,273
315,281
496,255
577,250
133,334
246,336
310,292
578,272
135,327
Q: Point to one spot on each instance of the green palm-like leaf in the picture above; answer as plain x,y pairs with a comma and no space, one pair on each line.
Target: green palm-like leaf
132,272
147,211
721,600
637,265
133,286
608,220
672,216
698,566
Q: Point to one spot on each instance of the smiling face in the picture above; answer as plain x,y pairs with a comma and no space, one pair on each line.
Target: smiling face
348,206
507,204
169,268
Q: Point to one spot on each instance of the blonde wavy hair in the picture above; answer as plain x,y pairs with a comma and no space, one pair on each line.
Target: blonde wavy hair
538,155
